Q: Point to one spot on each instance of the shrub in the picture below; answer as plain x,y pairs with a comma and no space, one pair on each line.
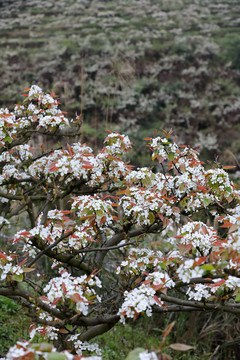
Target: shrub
92,215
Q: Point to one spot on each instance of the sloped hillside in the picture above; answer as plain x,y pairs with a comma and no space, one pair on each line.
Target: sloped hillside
131,65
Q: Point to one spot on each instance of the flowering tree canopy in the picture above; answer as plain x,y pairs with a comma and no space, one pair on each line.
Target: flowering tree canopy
97,241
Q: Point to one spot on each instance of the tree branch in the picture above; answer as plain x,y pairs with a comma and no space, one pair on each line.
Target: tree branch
201,305
62,257
32,300
44,251
95,331
115,240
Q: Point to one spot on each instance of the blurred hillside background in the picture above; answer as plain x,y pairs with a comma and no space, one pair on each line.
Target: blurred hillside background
132,66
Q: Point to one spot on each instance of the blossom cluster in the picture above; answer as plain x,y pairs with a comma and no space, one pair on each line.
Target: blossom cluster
139,261
199,235
142,298
189,270
117,144
8,269
80,290
64,290
49,115
11,168
191,183
78,162
79,232
145,205
163,149
25,350
218,180
92,208
81,346
145,355
42,112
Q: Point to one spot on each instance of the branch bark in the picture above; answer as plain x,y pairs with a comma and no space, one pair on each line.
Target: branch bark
116,239
201,305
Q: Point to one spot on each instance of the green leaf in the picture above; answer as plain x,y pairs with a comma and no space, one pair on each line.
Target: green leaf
214,186
27,270
171,156
181,347
237,298
134,354
208,267
8,139
151,217
163,266
56,356
223,264
45,347
18,278
34,346
183,203
206,202
99,213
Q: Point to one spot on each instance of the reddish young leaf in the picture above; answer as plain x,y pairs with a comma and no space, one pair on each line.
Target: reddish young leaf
63,331
137,281
226,225
56,301
218,283
23,262
70,150
146,282
43,298
32,327
199,261
221,217
135,316
24,233
204,230
3,256
157,300
64,288
236,259
76,298
158,287
168,329
114,204
87,165
229,167
103,220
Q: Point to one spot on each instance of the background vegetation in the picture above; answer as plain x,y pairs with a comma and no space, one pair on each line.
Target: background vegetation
131,65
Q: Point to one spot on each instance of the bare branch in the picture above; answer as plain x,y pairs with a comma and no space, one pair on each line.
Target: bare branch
64,258
116,239
95,331
201,305
17,292
44,251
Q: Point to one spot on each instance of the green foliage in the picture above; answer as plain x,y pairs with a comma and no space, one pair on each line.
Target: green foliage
230,45
205,333
117,343
134,354
12,324
159,39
